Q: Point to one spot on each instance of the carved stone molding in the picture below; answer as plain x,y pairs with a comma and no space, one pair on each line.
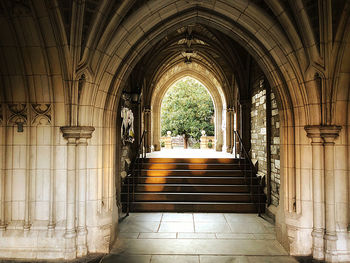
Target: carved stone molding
17,113
77,132
41,113
327,133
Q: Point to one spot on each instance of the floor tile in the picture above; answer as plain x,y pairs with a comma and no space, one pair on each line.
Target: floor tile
157,235
219,238
207,217
248,227
242,217
275,259
176,227
223,259
264,236
174,259
235,236
139,227
144,217
202,247
177,217
112,258
128,235
196,235
212,227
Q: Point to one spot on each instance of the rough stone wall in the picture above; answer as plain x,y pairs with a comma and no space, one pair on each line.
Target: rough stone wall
275,151
263,136
258,127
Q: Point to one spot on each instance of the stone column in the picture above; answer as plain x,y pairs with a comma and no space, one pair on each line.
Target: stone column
2,175
147,118
238,128
229,130
73,135
218,130
329,134
82,231
314,133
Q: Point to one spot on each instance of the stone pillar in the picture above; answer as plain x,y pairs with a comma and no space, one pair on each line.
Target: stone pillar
167,141
2,175
329,134
229,129
74,135
238,128
314,133
204,141
148,124
82,231
218,130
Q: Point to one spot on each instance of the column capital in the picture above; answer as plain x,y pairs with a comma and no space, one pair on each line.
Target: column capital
330,133
77,132
314,133
147,109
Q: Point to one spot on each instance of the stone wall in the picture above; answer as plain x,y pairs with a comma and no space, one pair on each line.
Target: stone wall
258,127
265,136
275,151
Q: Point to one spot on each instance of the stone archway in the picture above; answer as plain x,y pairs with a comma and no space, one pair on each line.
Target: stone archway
199,73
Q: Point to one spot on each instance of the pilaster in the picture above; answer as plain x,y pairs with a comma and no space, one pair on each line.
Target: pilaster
76,161
329,134
314,133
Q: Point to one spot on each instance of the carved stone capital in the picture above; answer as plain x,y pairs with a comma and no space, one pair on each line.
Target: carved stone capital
330,133
314,133
77,132
147,110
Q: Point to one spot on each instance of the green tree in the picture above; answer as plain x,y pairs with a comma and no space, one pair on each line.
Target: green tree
187,109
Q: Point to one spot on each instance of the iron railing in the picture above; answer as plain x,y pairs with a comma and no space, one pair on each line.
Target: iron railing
134,170
250,174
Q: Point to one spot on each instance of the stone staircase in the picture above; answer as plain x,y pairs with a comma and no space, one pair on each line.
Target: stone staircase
194,185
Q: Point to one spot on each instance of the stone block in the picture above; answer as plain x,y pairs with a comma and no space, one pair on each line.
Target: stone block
276,140
274,112
277,164
262,99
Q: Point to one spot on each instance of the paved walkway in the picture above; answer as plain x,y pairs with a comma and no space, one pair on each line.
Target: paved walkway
196,238
188,153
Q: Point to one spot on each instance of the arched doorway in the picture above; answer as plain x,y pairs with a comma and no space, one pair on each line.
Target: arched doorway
214,90
188,113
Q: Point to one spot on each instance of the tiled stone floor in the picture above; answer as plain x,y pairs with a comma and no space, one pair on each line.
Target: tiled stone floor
196,238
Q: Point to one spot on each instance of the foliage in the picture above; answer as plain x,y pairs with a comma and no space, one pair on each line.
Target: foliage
187,109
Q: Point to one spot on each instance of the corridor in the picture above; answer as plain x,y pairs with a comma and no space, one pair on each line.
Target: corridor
196,238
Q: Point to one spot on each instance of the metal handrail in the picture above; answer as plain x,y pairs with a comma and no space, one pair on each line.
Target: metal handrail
131,176
253,172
